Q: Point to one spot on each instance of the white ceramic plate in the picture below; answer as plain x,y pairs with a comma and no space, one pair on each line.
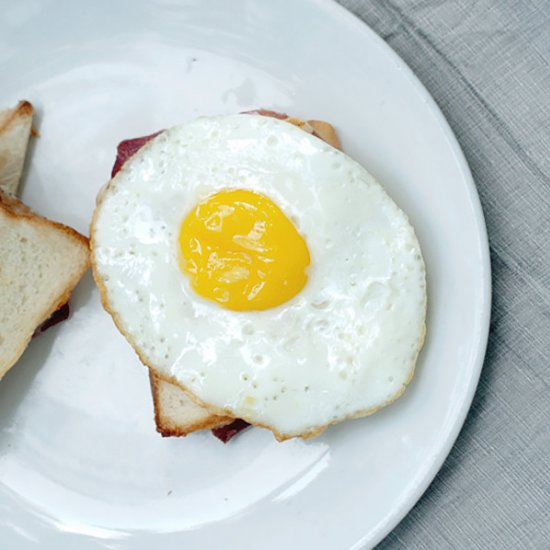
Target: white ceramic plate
81,466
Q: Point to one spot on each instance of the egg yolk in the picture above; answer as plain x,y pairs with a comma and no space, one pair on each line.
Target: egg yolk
241,251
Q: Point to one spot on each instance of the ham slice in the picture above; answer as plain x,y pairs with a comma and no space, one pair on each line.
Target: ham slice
56,317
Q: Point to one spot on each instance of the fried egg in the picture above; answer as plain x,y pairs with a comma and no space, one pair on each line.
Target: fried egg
266,272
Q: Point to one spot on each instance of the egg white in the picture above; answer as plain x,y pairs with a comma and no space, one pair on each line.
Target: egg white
344,346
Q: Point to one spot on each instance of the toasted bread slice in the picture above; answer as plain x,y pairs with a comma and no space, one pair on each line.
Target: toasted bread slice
41,263
326,132
176,414
15,130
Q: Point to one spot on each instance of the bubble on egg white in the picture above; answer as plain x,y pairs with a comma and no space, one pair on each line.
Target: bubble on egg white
320,325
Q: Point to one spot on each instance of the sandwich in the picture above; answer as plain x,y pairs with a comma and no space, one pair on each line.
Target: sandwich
262,272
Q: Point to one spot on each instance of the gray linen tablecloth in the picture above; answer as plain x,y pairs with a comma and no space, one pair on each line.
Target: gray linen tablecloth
487,64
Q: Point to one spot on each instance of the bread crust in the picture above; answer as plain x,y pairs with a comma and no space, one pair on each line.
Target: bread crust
23,108
16,209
